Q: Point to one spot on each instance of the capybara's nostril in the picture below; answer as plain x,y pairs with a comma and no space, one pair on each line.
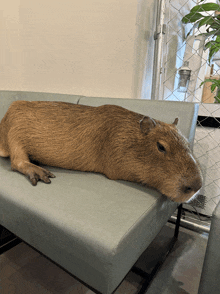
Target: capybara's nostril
187,189
193,186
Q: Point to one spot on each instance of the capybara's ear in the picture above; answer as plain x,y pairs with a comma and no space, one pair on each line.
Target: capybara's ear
175,121
146,124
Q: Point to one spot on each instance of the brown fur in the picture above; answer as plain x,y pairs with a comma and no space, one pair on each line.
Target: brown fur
107,139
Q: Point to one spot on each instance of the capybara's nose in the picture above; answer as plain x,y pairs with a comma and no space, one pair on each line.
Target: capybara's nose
194,186
187,189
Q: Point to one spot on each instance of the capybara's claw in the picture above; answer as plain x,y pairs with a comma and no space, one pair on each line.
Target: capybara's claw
33,181
51,175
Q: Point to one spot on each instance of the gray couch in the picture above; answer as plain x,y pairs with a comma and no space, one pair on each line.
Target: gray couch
210,278
93,227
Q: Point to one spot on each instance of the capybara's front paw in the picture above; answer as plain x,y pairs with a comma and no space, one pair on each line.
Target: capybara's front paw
36,173
33,172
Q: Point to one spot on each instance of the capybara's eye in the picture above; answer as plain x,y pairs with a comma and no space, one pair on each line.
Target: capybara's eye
161,148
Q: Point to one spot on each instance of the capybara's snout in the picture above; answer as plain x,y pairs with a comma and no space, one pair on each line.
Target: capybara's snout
182,191
189,189
186,183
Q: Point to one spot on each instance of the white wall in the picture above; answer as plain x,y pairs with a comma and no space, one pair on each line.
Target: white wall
85,47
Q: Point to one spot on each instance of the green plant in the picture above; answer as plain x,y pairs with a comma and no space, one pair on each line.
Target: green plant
211,24
215,83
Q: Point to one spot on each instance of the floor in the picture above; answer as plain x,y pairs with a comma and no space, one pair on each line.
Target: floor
25,271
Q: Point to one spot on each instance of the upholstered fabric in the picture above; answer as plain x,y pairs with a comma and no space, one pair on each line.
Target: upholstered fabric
210,282
93,227
7,97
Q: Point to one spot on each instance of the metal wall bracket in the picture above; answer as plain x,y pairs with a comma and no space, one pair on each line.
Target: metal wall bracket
160,30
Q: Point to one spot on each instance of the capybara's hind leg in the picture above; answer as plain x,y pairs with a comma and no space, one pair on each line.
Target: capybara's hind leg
20,162
3,151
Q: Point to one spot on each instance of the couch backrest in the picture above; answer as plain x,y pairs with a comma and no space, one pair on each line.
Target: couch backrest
7,97
165,111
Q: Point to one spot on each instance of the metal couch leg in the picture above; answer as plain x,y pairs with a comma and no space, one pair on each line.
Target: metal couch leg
149,277
176,233
7,242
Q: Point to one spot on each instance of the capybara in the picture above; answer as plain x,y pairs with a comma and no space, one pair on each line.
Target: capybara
108,139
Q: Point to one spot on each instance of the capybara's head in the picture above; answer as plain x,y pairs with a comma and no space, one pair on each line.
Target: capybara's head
174,171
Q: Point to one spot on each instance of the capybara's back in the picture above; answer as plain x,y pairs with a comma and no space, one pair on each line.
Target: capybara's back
107,139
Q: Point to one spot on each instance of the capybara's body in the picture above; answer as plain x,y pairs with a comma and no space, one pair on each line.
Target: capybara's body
107,139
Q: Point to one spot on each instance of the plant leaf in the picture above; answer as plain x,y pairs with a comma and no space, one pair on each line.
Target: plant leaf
216,82
215,25
213,81
209,44
211,53
205,7
217,98
213,86
205,21
213,45
191,17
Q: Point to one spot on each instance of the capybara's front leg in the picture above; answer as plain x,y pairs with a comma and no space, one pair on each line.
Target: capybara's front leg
20,162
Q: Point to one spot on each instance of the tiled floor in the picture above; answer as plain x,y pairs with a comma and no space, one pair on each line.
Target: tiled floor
25,271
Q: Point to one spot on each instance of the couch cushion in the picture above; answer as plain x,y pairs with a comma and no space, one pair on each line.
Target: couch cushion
93,227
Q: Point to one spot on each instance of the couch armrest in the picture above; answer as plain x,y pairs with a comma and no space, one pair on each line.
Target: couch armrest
210,282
